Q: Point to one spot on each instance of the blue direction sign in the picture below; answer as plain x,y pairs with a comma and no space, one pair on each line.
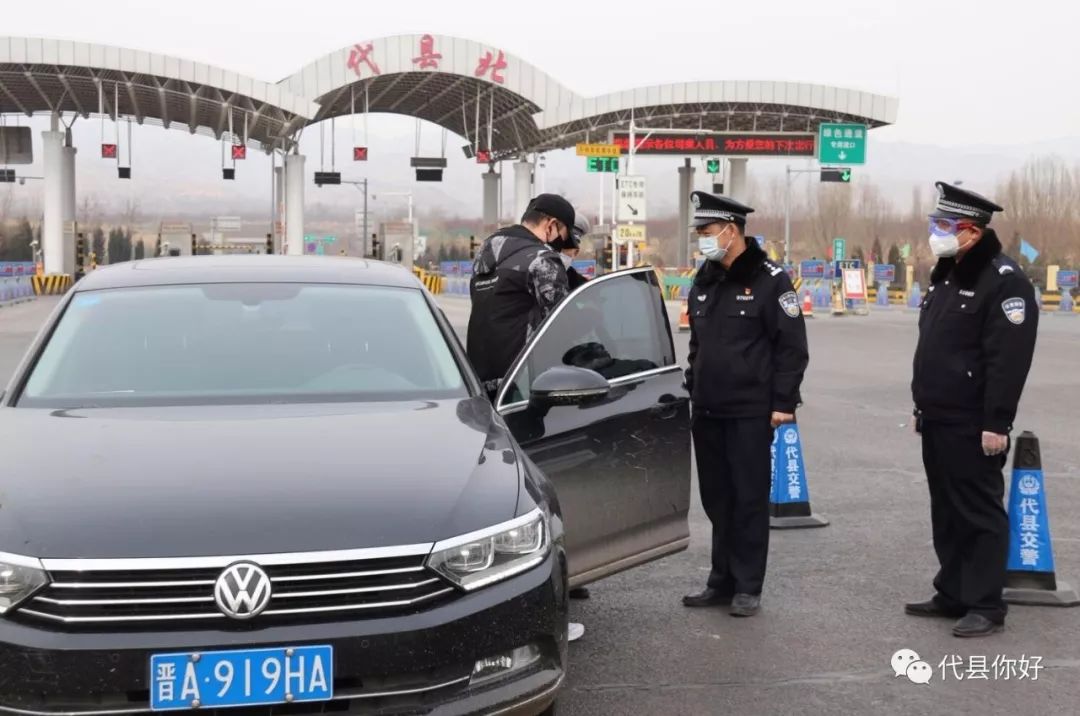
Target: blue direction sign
884,273
812,269
1068,279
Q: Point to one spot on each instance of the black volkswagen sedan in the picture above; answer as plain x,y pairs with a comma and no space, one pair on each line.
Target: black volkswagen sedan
274,484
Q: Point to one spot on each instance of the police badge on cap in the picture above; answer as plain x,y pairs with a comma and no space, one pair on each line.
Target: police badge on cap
711,208
956,203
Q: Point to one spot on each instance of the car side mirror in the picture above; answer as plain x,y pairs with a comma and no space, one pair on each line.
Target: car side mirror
568,385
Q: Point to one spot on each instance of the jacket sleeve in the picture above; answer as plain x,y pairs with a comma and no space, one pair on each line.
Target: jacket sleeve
790,352
1008,347
548,282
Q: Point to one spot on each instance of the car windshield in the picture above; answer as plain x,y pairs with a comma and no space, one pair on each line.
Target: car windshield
243,343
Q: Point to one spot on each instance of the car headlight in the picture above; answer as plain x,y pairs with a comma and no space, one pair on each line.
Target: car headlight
481,558
19,578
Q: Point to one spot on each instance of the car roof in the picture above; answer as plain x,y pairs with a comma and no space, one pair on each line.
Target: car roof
248,268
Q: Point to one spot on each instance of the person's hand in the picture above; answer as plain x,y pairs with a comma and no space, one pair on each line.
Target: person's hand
993,443
781,418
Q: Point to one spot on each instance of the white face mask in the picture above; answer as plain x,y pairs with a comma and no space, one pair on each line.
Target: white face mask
710,247
567,260
944,246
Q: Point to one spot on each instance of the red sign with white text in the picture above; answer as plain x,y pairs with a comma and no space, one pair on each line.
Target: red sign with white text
746,144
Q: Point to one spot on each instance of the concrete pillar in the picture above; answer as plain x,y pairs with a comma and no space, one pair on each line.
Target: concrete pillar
279,208
294,204
491,200
686,214
68,203
52,223
736,183
522,187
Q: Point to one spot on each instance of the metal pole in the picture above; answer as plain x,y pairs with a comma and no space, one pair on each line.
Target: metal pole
787,215
364,238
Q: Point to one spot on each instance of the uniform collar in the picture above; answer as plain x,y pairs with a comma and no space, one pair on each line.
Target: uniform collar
966,272
742,269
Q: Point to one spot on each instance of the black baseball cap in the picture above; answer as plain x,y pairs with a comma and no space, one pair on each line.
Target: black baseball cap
556,207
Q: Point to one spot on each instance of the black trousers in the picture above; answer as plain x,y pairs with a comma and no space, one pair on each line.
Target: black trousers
971,527
734,472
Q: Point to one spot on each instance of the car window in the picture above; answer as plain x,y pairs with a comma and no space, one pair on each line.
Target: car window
240,343
614,326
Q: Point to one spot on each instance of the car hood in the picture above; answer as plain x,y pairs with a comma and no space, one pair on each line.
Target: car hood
238,480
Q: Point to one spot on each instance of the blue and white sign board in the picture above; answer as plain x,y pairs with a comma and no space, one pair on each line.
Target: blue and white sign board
788,467
585,267
839,266
1029,526
812,269
1068,279
884,273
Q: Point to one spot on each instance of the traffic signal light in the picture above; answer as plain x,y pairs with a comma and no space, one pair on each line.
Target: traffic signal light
842,175
474,247
194,246
269,244
712,165
375,246
80,254
606,264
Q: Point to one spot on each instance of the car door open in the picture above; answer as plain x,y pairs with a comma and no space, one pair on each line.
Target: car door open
596,400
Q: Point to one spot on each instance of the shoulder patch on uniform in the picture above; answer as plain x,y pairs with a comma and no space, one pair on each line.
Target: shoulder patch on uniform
1004,269
790,303
772,268
1015,310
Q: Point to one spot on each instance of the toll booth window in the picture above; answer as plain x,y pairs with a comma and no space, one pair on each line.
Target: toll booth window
615,327
244,343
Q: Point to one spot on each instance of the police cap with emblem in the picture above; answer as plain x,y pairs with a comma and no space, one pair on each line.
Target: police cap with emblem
956,203
711,208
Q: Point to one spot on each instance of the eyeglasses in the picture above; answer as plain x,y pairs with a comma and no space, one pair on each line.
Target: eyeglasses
943,227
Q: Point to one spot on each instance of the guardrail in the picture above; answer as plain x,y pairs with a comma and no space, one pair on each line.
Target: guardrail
15,289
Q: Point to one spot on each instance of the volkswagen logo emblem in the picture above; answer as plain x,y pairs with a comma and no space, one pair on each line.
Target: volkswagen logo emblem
242,591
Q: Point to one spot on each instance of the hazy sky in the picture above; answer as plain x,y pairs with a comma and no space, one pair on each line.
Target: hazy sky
966,71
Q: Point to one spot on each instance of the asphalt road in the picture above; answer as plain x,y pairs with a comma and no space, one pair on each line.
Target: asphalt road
832,615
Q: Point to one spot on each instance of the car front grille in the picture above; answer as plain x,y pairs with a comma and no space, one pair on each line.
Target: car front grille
309,588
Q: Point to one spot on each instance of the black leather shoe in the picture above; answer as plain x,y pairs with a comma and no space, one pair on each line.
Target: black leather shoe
745,605
975,625
709,597
579,593
932,608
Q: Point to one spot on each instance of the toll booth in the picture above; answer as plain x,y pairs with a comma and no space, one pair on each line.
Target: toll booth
175,238
397,243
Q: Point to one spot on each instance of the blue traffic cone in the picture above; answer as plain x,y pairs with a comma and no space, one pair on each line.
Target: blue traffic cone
789,500
1030,577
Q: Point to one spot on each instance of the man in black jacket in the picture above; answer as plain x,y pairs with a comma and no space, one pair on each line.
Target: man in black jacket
569,249
748,354
977,331
517,281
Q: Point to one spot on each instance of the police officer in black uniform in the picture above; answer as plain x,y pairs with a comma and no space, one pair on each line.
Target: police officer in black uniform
977,331
748,354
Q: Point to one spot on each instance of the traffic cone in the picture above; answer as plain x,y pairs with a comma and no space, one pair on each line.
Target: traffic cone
789,501
838,304
1030,577
807,305
684,317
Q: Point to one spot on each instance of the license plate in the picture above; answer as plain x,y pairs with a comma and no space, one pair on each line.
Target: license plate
248,677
